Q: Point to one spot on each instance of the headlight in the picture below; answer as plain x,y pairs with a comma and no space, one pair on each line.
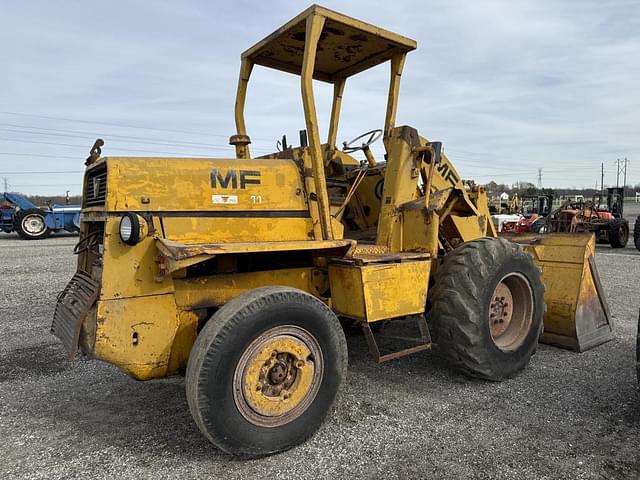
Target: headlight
130,228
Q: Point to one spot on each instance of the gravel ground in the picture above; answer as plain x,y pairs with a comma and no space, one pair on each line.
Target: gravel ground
567,415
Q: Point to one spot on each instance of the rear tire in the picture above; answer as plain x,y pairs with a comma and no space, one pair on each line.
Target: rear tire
30,224
473,289
618,233
265,370
636,233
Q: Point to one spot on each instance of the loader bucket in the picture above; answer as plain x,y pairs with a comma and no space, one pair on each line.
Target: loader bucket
577,315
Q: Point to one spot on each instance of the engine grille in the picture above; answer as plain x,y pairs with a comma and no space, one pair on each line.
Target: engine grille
74,303
96,188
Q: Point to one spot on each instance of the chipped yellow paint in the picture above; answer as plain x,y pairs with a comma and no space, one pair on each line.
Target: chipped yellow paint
185,336
236,230
418,231
258,367
470,228
348,46
137,334
129,271
179,251
185,184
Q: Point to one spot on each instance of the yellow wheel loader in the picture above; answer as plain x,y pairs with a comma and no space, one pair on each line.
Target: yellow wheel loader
240,270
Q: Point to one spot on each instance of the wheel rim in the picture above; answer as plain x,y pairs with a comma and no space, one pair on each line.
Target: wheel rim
33,224
278,376
511,311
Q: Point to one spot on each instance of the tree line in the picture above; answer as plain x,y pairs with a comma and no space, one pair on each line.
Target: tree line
528,188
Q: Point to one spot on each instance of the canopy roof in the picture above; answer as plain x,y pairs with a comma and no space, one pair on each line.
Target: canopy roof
347,46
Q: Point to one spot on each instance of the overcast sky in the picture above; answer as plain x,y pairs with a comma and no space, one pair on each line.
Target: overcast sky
507,86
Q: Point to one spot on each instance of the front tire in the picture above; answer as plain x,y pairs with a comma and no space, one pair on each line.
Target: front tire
30,224
487,308
636,233
265,371
618,233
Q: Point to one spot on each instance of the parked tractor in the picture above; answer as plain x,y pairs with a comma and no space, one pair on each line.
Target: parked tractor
18,214
606,221
239,270
533,210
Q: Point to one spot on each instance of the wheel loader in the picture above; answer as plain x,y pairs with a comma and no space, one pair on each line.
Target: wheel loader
239,271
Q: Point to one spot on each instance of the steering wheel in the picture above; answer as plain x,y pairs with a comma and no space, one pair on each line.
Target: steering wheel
371,136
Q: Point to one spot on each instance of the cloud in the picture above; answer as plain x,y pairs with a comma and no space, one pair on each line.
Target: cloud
508,87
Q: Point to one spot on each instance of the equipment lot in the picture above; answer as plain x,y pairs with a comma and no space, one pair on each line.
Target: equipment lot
567,415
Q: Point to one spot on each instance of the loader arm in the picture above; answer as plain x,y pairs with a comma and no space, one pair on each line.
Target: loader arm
452,212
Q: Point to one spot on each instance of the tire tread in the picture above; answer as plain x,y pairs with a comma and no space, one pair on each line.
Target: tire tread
456,299
228,318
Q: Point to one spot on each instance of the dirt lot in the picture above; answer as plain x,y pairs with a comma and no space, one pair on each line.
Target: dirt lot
567,415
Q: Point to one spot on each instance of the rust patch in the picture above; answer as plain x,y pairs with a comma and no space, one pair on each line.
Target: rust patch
334,31
73,305
358,37
424,342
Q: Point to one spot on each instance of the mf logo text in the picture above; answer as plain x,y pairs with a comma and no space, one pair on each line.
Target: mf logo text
231,178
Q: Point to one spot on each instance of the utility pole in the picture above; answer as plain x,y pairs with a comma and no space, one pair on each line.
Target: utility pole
539,178
5,180
622,169
601,178
624,183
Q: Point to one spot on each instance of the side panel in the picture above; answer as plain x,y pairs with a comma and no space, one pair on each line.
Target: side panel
130,271
190,184
151,336
470,228
216,290
419,231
